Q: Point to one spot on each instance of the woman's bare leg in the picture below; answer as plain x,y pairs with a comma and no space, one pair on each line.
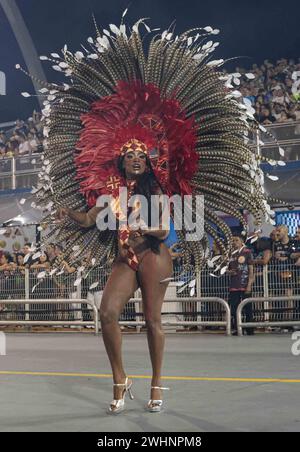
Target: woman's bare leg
153,269
118,290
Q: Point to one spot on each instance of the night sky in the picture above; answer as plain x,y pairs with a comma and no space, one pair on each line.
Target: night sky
252,30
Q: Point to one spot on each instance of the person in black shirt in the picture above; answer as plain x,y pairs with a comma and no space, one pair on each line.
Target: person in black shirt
282,260
283,250
261,251
265,116
241,279
295,257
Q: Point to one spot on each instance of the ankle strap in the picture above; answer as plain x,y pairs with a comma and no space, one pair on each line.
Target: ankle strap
121,384
160,387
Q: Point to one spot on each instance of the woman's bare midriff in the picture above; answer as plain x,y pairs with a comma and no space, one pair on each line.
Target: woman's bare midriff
141,246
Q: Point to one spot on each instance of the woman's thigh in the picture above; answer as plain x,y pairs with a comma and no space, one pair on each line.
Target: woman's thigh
153,269
119,288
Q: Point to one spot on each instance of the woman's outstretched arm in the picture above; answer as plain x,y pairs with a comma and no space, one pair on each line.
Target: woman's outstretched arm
84,219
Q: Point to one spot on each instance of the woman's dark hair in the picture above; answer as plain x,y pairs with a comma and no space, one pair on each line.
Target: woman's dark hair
8,257
147,185
19,254
46,255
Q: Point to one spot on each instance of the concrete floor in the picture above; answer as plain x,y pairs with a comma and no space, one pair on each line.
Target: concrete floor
196,402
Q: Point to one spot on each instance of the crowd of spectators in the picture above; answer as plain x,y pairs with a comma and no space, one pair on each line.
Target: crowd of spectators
282,255
28,258
274,92
279,250
50,277
26,138
243,277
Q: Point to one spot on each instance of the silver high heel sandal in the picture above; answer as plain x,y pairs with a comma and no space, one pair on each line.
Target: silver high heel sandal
155,406
117,406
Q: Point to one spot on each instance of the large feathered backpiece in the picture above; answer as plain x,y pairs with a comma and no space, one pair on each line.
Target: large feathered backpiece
166,92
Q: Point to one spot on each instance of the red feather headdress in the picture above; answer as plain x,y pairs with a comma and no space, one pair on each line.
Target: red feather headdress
136,111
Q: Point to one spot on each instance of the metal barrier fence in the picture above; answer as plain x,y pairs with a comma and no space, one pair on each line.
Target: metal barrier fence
41,295
189,311
26,318
280,311
20,172
202,308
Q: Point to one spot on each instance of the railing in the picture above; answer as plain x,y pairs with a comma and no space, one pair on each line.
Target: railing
25,317
19,172
276,312
285,131
206,307
189,311
179,309
288,136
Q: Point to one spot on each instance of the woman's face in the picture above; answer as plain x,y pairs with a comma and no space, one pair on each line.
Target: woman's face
134,164
237,243
275,235
3,260
20,259
43,258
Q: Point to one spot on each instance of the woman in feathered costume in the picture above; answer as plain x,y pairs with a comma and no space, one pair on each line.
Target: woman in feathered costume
155,121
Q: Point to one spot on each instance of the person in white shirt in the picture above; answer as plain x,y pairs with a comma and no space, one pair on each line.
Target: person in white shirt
32,143
24,147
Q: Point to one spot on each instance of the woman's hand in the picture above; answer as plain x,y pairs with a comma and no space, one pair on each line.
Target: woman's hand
62,213
175,251
135,234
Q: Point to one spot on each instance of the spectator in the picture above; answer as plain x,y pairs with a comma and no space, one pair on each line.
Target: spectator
262,255
42,263
241,279
175,252
24,139
2,150
273,84
33,144
282,250
265,116
7,266
283,246
277,109
28,258
295,255
7,262
24,146
279,97
21,128
284,117
2,138
20,261
50,250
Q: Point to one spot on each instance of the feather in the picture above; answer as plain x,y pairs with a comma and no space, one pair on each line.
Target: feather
202,123
94,285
